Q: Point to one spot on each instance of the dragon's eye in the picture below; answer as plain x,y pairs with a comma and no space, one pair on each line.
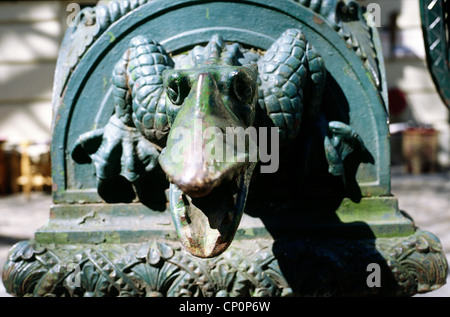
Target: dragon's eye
177,90
242,89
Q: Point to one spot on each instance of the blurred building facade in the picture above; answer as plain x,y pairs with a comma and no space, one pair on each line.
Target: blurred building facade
31,33
30,37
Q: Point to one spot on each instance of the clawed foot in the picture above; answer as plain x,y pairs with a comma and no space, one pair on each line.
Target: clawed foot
120,155
345,150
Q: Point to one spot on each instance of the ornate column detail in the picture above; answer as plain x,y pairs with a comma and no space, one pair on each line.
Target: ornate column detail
410,265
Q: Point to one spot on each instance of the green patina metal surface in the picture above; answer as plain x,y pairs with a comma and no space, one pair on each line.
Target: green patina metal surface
123,201
435,27
375,177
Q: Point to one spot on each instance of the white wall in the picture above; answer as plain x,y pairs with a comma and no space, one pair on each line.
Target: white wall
30,35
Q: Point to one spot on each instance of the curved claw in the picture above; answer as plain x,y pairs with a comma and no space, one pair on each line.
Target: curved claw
344,140
116,150
87,144
120,154
342,143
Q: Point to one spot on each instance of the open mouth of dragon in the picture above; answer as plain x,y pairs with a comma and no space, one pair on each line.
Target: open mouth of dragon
206,221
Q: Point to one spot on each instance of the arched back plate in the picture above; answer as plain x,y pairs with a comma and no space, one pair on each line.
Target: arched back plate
82,91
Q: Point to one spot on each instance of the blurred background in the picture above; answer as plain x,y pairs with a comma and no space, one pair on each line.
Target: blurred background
30,36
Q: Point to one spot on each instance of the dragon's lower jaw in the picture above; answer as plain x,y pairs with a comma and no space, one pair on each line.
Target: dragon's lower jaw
206,225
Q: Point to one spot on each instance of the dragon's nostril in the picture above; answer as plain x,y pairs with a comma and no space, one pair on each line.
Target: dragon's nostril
178,89
173,92
242,89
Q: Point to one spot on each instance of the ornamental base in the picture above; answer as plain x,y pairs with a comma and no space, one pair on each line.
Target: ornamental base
403,266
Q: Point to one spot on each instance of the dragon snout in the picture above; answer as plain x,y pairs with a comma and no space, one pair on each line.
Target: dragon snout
209,177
